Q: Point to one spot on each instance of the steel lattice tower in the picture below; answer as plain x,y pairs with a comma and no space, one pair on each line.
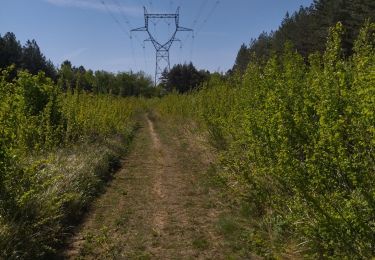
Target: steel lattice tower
162,49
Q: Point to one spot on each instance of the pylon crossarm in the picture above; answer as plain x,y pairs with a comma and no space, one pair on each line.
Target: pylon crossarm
183,29
161,16
140,29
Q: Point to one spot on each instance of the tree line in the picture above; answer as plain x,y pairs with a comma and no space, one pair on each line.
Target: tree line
29,57
307,30
181,78
102,82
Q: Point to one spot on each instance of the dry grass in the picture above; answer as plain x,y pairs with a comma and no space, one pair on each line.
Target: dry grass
65,182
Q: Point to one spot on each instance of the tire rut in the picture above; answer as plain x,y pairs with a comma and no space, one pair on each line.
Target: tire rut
153,208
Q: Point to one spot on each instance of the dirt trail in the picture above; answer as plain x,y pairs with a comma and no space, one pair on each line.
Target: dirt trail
160,214
155,207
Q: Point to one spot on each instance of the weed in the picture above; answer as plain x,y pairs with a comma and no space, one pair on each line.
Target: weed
227,225
200,243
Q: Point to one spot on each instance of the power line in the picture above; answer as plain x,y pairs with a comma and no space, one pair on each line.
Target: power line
150,3
122,28
201,8
180,53
133,53
145,57
115,19
199,15
171,3
216,4
127,21
192,49
122,12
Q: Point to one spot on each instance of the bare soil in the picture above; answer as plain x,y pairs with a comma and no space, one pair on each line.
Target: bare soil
157,206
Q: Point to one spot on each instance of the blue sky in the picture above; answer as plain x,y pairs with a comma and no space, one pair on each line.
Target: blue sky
96,35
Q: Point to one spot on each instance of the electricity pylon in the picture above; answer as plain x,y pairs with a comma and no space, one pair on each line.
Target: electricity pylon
162,49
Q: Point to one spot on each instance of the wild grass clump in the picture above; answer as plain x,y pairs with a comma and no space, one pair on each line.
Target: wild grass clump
67,181
297,141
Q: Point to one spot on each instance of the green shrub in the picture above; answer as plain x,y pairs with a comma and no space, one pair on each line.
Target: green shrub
40,195
299,140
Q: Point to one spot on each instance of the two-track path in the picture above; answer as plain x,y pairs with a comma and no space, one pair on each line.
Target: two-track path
157,206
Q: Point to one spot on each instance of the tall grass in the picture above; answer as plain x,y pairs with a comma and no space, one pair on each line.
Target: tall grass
56,152
299,140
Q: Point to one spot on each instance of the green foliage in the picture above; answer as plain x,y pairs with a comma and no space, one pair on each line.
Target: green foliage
122,84
39,193
89,115
308,28
27,57
11,50
183,78
297,144
242,59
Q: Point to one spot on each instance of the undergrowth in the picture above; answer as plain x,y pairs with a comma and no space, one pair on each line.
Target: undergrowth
56,152
296,143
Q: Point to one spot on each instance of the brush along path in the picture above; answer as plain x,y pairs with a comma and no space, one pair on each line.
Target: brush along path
156,207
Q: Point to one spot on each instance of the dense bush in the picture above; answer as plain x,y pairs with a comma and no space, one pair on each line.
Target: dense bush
183,78
124,84
299,139
56,151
